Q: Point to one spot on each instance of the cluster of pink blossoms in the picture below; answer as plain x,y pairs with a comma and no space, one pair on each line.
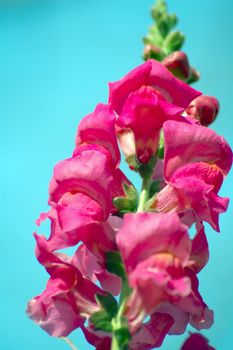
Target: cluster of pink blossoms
157,119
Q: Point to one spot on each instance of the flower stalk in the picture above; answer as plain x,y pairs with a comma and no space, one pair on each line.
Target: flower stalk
134,256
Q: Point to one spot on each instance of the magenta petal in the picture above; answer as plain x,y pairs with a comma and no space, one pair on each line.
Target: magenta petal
84,173
144,234
154,74
99,127
196,342
144,112
192,193
55,313
68,298
188,143
152,334
100,340
200,251
88,265
180,318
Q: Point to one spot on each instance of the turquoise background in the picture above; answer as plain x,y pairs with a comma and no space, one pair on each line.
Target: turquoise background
56,58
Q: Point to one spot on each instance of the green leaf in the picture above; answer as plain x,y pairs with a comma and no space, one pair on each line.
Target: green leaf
173,42
101,321
108,303
114,263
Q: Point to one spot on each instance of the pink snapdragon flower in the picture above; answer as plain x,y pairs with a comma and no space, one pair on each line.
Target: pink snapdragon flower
144,112
81,202
195,162
144,99
68,299
161,262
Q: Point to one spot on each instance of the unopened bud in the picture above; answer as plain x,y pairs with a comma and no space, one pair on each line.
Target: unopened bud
152,51
178,64
204,108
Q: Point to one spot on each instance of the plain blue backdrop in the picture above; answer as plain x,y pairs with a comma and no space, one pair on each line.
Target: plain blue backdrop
56,58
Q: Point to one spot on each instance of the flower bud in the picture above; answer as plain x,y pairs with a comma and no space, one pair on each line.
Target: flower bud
178,64
152,51
204,108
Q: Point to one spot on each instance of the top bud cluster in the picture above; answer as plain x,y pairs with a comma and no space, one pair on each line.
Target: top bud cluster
129,244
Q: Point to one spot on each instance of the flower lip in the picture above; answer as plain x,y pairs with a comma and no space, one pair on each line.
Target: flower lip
151,73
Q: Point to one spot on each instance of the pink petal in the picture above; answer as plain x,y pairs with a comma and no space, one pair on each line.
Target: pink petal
152,334
84,173
144,234
151,73
99,128
144,112
192,193
180,318
200,251
188,143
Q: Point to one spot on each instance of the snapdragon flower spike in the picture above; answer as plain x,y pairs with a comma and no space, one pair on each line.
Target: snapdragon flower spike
160,261
195,163
144,99
68,299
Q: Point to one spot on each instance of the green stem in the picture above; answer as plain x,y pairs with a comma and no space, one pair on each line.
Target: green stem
114,345
144,195
117,325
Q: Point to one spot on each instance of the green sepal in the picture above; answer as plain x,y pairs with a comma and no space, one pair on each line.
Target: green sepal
129,202
101,321
173,42
108,303
154,188
146,170
160,152
123,337
114,263
132,162
194,76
